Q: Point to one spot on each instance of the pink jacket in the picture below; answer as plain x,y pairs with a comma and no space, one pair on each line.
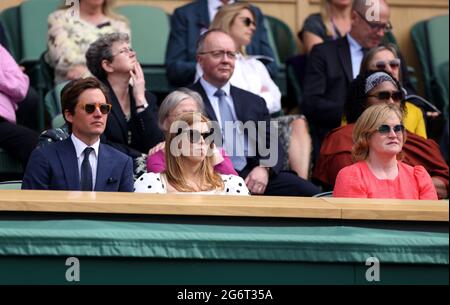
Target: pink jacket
13,86
156,163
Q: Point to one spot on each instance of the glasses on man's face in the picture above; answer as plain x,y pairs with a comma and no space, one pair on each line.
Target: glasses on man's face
247,21
219,54
393,63
126,51
396,96
90,107
194,135
386,129
375,26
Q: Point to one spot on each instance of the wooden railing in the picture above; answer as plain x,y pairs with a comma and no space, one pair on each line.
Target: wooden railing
254,206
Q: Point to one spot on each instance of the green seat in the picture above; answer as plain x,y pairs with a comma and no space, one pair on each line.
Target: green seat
324,194
10,20
9,164
150,28
11,185
53,105
418,36
442,79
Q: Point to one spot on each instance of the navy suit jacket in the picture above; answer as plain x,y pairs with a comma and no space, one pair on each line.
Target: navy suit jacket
186,24
249,108
55,167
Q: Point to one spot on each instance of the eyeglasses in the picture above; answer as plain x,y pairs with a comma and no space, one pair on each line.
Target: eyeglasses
393,63
194,135
386,129
217,54
124,51
396,96
248,21
386,27
90,108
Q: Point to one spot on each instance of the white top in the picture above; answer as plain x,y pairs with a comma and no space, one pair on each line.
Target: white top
250,74
156,183
93,156
213,7
356,55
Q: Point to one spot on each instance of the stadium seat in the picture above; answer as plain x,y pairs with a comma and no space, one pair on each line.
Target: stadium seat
11,185
10,20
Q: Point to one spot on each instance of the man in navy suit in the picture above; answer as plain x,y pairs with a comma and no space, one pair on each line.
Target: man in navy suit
81,162
216,54
188,23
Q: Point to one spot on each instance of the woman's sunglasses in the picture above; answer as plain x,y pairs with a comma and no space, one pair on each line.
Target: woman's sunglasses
194,135
386,129
247,22
393,63
104,108
396,96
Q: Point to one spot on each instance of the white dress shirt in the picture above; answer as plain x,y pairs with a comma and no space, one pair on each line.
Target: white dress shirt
213,7
356,55
93,156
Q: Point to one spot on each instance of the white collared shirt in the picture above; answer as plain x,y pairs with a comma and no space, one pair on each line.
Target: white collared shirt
213,7
93,156
356,55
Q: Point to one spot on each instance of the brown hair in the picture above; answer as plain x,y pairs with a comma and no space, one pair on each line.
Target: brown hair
374,51
227,15
211,180
366,126
72,91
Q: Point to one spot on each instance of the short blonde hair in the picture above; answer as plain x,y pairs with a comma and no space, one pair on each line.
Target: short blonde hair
227,15
211,180
367,125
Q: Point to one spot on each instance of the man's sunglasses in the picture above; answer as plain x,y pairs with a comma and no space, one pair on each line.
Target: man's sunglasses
247,22
104,108
386,129
393,63
396,96
194,135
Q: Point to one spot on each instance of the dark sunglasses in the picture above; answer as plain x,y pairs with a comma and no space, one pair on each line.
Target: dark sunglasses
194,135
104,108
247,22
394,64
396,96
386,129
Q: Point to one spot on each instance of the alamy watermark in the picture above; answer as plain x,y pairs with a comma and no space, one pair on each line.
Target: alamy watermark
73,8
373,272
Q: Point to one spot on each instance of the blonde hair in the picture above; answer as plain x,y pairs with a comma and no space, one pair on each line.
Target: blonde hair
325,14
227,15
175,167
107,10
366,126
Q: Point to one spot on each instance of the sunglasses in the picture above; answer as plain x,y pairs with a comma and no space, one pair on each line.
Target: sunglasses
386,27
386,129
90,108
194,135
396,96
394,64
247,22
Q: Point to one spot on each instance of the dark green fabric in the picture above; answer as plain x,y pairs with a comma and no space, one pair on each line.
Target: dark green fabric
220,241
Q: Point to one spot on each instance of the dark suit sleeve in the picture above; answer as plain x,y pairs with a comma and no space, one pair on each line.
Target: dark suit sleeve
126,181
317,106
180,68
37,173
261,42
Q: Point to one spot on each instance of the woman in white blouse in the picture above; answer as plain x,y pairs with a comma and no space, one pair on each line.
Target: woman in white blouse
251,74
189,162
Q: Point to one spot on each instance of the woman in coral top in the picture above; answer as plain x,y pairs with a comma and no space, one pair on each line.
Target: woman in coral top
378,138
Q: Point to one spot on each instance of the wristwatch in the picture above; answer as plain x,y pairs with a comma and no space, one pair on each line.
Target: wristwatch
144,106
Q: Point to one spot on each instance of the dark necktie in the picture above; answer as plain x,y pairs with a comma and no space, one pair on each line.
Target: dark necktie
233,140
86,171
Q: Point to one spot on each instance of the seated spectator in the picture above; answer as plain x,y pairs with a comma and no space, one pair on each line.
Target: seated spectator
385,58
333,22
378,138
69,35
132,126
189,158
366,90
176,103
238,21
81,162
189,22
18,104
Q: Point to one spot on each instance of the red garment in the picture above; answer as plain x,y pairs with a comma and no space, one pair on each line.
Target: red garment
358,181
336,153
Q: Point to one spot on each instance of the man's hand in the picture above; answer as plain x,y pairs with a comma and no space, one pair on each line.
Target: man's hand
257,180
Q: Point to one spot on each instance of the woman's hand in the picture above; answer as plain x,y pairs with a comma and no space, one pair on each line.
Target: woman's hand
156,148
137,75
257,180
76,72
217,157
